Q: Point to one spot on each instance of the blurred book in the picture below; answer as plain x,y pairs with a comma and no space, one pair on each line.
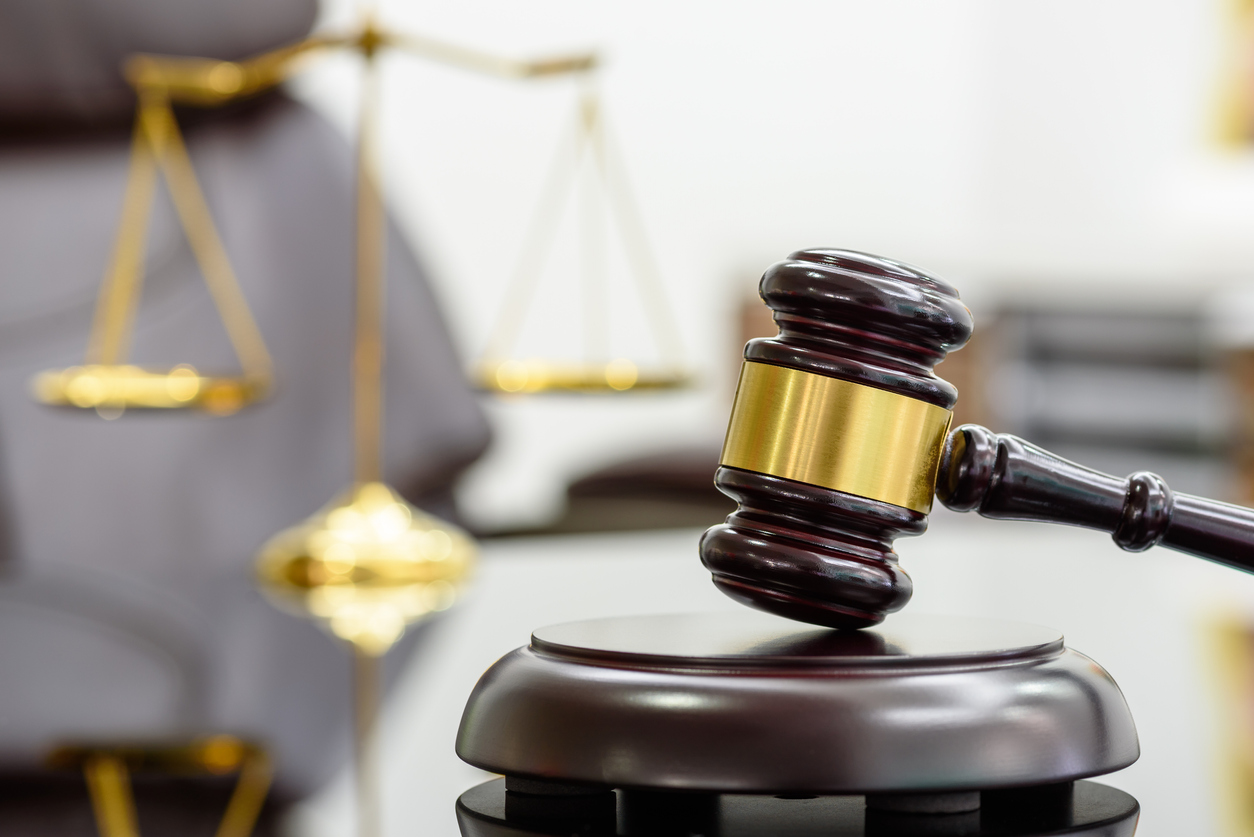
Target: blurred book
1120,391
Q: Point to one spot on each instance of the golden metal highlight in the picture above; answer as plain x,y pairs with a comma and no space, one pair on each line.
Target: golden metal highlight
836,434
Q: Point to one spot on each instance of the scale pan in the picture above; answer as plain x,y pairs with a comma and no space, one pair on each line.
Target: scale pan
118,387
535,376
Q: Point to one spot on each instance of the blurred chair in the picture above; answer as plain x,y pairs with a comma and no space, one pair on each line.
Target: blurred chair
127,607
673,489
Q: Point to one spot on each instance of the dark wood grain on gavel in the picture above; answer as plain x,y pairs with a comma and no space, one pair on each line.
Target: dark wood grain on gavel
808,552
1003,477
837,440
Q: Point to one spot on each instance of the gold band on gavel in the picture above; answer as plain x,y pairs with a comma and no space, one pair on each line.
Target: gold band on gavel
836,434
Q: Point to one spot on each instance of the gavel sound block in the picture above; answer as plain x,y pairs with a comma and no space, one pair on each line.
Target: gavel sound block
737,723
839,439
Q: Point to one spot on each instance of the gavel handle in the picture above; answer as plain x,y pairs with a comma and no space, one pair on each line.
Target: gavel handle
1004,477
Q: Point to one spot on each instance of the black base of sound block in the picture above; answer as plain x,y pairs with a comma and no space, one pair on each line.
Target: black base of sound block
1080,808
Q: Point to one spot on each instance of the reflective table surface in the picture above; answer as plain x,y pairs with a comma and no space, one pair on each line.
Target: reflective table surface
1145,617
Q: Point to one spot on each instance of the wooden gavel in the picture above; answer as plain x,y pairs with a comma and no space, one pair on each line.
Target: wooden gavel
839,439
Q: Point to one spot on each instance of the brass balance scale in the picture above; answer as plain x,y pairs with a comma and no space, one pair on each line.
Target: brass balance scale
369,564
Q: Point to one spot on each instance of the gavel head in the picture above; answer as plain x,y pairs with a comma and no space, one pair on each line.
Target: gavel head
835,437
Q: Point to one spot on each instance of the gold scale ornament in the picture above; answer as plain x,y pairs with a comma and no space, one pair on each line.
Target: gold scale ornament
369,564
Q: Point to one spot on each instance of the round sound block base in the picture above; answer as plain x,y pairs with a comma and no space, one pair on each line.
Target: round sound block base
1082,808
921,714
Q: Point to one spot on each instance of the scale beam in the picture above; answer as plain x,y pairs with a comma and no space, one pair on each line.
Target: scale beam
106,382
207,82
